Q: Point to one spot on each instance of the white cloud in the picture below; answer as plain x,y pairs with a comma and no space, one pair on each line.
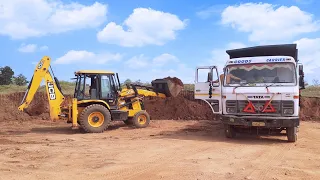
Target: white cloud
219,56
210,11
43,48
144,26
27,48
21,19
74,56
269,22
142,61
149,68
309,53
164,59
30,48
137,62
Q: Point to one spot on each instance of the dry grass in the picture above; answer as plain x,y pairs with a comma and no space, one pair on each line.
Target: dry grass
67,88
311,91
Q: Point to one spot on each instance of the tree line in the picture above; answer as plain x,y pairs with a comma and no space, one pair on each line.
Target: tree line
7,77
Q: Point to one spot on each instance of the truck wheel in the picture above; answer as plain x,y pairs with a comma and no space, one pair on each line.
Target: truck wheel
229,131
292,134
141,119
95,118
129,121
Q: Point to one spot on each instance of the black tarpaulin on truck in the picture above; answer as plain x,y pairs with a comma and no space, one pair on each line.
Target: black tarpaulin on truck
267,50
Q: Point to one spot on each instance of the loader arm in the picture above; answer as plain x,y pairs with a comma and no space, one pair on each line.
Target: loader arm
55,96
139,90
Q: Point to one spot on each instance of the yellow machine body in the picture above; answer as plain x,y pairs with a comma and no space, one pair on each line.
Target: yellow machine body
96,111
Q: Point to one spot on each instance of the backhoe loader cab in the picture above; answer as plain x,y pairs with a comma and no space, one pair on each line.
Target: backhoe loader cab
97,85
98,98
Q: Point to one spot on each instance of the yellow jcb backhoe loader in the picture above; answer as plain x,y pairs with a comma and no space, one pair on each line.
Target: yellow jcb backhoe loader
98,98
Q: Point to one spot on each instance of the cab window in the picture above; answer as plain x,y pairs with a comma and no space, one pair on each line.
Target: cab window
106,91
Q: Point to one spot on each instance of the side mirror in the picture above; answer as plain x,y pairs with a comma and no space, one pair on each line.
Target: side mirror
301,77
301,82
209,79
301,70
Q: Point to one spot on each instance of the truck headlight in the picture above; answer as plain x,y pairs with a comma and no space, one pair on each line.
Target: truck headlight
231,110
288,111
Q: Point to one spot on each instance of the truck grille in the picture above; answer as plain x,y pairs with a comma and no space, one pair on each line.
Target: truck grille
241,104
288,104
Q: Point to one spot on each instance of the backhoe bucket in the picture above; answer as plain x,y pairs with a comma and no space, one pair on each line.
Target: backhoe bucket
167,87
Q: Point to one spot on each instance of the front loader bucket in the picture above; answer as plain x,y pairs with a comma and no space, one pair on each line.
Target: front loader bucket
167,87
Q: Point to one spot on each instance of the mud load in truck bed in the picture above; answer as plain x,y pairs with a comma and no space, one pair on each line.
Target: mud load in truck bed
169,86
267,50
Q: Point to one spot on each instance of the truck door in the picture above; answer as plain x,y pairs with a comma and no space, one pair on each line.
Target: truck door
208,87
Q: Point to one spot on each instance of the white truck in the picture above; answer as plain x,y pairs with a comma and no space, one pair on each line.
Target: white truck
259,90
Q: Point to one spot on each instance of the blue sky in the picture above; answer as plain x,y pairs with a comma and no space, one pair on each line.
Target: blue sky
147,39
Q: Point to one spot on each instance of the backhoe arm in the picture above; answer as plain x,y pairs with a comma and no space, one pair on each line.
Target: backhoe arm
53,89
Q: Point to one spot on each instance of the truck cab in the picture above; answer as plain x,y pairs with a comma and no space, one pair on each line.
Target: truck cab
259,90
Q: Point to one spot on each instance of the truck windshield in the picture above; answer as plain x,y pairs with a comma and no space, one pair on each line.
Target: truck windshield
260,74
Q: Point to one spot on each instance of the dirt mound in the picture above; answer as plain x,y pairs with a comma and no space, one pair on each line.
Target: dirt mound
177,108
38,109
181,107
310,108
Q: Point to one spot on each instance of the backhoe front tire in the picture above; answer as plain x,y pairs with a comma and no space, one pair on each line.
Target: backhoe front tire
95,118
141,119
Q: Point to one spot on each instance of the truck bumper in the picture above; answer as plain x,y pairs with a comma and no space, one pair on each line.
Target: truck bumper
261,121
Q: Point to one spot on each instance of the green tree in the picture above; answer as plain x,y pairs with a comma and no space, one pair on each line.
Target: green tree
6,75
127,81
20,80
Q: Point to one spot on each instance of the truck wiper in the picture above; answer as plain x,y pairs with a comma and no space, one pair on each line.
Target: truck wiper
270,85
275,83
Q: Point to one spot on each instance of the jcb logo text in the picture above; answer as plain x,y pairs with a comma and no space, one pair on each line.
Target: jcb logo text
52,94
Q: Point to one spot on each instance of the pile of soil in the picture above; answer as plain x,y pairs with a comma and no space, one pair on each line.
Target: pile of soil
310,108
177,108
38,109
182,107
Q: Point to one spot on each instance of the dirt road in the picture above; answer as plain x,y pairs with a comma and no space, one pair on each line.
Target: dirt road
165,150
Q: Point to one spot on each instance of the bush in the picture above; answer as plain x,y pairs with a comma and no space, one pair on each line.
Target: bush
20,80
6,75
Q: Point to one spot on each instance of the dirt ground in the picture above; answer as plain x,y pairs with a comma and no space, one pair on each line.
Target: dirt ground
169,149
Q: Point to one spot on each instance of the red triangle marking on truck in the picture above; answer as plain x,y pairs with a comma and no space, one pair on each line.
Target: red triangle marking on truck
268,107
249,108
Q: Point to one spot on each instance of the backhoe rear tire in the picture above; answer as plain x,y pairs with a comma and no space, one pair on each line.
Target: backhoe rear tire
95,118
141,119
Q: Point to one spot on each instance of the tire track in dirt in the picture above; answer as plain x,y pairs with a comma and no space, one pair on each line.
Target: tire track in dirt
269,158
141,171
